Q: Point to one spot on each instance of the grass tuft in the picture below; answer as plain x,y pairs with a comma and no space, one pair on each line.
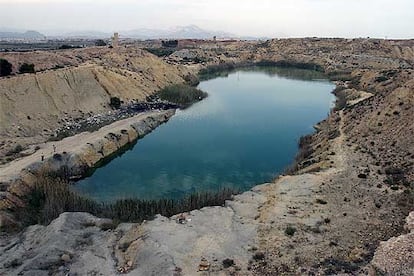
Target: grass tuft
181,94
52,196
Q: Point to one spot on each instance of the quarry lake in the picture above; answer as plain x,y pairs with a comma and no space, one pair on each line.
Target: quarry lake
243,134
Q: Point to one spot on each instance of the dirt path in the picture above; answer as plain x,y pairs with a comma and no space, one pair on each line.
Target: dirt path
69,144
338,147
302,204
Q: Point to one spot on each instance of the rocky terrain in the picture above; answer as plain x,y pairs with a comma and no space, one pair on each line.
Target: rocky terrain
73,155
342,210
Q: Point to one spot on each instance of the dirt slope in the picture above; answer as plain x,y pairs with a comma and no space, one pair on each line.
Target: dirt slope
32,106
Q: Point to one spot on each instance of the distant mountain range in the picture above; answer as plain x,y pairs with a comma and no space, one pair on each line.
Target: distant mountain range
28,35
183,32
191,31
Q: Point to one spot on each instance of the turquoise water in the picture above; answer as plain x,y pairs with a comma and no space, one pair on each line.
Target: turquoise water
244,133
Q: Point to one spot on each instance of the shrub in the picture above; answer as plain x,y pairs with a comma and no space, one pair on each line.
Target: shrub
381,79
228,263
17,149
291,64
362,175
170,43
217,68
290,230
305,151
100,42
258,256
160,52
181,94
26,68
5,67
115,103
340,102
321,201
66,46
191,80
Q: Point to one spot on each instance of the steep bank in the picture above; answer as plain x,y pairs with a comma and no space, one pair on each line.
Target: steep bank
34,106
72,156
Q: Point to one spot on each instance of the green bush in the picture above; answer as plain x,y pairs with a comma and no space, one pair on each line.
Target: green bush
17,149
5,67
291,64
115,102
181,94
26,68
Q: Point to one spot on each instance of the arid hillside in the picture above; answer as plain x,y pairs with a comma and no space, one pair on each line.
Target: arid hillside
71,85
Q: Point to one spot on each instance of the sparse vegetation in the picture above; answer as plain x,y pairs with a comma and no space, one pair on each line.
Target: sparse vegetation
181,94
160,52
340,94
321,201
305,151
258,256
5,67
290,230
362,175
340,76
292,64
27,68
100,42
214,69
115,102
191,80
17,149
170,43
228,263
381,79
66,46
52,196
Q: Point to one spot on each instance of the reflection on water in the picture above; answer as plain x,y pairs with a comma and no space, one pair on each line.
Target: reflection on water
243,134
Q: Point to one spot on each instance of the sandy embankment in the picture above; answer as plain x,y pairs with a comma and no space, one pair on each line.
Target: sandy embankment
76,153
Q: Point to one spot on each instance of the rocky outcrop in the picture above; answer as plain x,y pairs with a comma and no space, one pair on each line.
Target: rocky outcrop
81,244
46,250
396,256
34,106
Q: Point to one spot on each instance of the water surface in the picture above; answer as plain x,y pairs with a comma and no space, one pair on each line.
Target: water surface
244,133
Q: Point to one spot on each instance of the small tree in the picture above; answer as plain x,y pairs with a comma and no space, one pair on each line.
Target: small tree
5,67
100,42
26,68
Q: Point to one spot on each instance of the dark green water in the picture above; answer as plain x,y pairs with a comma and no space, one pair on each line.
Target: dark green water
243,134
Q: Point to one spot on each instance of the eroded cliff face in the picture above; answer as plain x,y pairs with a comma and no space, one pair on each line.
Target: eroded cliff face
33,106
72,157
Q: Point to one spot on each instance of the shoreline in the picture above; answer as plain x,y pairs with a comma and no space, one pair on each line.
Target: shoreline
76,154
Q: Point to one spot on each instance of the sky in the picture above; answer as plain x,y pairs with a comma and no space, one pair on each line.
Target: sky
268,18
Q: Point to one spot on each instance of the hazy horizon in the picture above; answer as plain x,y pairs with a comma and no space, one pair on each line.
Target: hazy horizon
260,18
